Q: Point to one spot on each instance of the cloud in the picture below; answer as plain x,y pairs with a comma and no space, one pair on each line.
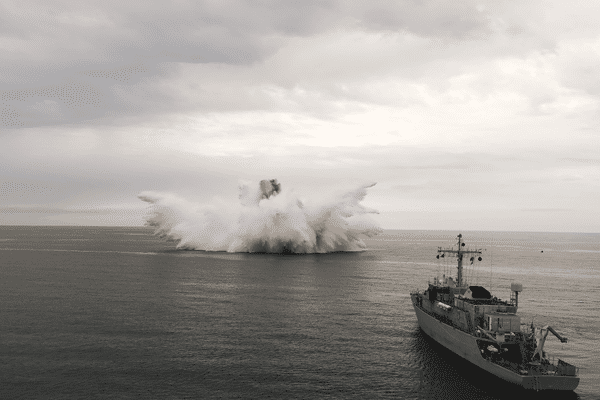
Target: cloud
485,105
69,63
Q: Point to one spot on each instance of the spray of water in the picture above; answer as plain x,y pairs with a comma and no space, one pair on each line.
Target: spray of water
267,219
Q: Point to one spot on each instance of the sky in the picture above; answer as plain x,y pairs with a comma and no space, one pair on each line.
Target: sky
469,115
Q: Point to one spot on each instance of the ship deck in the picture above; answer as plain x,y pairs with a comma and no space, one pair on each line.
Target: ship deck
468,346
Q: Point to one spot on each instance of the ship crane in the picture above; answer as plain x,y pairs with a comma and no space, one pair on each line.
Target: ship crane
540,338
459,255
561,338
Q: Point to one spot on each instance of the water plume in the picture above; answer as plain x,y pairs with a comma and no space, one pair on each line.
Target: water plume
267,219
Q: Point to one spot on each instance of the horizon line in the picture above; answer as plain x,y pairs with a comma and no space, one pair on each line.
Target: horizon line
383,229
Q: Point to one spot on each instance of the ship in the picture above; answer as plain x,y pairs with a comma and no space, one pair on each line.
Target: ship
487,332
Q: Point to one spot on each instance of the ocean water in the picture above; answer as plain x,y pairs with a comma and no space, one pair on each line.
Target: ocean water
118,313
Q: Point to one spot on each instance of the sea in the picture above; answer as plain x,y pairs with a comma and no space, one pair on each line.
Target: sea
114,312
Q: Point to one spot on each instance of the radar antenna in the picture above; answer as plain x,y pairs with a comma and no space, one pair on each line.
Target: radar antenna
459,256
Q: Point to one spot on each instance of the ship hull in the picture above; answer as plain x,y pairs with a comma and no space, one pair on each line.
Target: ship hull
465,345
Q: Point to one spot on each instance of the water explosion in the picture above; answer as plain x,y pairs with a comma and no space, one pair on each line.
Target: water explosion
267,219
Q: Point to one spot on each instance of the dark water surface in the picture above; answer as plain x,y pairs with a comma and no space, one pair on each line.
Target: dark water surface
116,313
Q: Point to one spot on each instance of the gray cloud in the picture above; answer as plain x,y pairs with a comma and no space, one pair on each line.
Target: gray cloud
484,105
68,62
427,18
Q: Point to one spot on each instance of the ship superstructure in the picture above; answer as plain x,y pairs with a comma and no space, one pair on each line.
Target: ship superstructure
487,331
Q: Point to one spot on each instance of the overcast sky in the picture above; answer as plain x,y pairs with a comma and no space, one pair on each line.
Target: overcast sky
468,114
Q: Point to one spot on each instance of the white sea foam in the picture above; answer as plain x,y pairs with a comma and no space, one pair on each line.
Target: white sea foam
271,223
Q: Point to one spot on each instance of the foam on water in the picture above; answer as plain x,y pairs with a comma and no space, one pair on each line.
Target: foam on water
264,221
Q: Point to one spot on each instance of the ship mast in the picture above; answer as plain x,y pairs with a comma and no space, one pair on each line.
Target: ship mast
459,255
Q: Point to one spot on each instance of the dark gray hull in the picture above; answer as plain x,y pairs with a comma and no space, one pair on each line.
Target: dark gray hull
465,346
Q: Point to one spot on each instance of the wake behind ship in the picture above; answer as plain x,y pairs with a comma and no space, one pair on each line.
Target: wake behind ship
487,331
